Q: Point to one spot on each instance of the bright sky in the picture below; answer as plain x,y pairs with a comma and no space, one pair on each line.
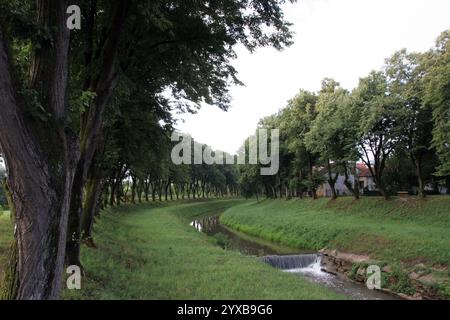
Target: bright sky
342,39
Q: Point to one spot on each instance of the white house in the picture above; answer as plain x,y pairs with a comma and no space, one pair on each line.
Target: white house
365,178
365,182
324,189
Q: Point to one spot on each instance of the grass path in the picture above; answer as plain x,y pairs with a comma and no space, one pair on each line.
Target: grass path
152,253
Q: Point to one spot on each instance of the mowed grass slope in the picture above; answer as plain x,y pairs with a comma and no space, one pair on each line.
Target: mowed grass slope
406,232
153,253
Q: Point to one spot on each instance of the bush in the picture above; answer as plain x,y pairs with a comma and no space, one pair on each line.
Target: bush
222,240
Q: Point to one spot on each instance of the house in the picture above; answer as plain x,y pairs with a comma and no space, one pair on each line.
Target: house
433,187
365,179
324,189
365,182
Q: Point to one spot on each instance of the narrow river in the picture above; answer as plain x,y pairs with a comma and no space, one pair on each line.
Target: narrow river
305,264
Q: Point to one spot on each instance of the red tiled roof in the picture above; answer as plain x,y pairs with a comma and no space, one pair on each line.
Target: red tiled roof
363,170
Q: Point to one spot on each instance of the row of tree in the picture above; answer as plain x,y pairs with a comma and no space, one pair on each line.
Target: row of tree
64,95
396,121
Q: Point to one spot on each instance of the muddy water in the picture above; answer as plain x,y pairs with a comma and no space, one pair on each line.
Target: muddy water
305,264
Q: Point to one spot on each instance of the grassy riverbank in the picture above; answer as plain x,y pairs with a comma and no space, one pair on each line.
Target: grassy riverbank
149,252
6,236
407,233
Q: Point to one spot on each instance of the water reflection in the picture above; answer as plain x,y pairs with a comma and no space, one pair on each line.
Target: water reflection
206,224
212,227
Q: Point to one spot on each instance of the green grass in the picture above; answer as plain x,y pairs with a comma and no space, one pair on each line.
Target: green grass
404,232
153,253
6,236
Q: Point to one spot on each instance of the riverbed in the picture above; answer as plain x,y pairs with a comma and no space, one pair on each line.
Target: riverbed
303,263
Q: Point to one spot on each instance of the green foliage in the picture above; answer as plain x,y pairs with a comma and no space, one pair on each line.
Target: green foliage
398,281
222,240
438,96
396,121
80,104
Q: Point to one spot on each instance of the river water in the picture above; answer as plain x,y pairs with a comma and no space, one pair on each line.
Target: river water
305,264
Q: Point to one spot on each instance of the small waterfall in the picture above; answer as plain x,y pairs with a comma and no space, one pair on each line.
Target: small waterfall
298,261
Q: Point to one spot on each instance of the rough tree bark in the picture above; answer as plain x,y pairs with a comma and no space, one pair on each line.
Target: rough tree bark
92,200
376,169
91,124
332,180
311,176
41,160
147,188
417,160
354,189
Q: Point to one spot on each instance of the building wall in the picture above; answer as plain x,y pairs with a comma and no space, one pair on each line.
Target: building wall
366,182
325,191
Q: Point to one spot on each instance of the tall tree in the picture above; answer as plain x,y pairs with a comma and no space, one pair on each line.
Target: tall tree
378,136
298,117
40,149
405,74
333,134
182,46
437,94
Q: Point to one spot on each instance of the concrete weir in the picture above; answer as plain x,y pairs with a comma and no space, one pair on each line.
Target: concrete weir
288,262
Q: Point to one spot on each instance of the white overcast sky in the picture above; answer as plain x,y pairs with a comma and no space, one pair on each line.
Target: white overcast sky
342,39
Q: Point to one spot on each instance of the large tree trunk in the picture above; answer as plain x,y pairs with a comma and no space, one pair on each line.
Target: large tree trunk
91,208
311,176
140,187
376,170
417,161
91,125
354,189
147,185
133,188
332,181
75,214
112,191
41,161
93,200
153,184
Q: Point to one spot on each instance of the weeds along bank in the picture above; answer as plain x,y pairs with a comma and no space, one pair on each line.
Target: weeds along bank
151,252
409,238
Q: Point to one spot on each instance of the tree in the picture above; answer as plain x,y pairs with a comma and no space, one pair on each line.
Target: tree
405,74
377,132
40,149
332,135
183,46
297,119
437,94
